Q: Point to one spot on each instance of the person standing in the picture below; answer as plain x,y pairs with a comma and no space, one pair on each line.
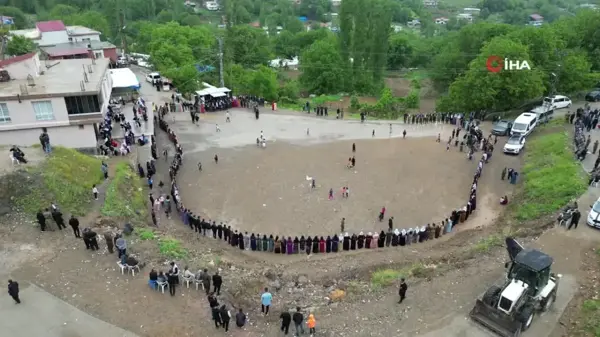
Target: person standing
206,281
298,319
95,192
109,242
41,220
58,218
225,317
74,223
216,159
402,291
311,323
173,279
217,281
574,219
266,298
286,319
104,169
13,291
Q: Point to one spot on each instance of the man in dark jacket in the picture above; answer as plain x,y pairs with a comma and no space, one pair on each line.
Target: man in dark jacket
574,219
41,220
402,291
286,319
240,318
109,242
58,218
217,281
298,319
13,291
74,223
206,281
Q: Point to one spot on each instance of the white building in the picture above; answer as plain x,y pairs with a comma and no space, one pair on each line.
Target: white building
465,16
67,97
430,3
212,5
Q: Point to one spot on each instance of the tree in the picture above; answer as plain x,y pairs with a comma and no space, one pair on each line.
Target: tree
247,46
263,83
285,45
19,45
19,18
400,51
185,78
294,25
321,68
289,90
480,89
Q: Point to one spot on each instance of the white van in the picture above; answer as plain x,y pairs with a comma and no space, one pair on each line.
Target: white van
524,124
558,102
153,77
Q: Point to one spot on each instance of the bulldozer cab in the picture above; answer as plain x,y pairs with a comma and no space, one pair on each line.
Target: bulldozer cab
528,265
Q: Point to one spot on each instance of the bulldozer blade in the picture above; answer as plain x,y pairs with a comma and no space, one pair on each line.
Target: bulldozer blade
495,320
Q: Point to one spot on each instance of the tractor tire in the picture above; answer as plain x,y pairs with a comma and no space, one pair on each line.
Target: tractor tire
491,296
526,316
548,302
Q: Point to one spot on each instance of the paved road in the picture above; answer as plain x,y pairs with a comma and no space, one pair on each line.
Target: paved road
41,314
461,326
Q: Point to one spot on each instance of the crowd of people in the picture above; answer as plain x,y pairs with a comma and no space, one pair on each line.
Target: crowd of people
312,244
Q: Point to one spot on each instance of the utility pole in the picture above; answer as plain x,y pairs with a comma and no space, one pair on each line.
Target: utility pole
221,62
122,32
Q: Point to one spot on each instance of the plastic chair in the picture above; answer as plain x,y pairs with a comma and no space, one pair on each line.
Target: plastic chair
122,266
199,283
162,285
187,280
133,269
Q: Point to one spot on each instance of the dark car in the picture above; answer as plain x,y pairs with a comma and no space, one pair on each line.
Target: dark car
502,128
593,96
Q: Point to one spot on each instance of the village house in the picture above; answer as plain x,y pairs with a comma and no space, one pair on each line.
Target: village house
58,42
441,21
67,97
536,20
430,3
465,16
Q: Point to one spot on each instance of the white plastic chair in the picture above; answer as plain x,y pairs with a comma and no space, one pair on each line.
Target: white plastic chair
162,285
14,160
199,283
133,269
122,266
187,280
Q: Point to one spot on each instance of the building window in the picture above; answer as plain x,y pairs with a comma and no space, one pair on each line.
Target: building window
43,110
4,115
82,104
99,55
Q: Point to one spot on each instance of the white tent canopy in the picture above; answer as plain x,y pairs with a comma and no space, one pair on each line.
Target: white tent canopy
214,92
218,94
124,78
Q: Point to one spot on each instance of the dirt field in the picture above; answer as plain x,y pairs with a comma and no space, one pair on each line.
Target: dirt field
451,273
266,191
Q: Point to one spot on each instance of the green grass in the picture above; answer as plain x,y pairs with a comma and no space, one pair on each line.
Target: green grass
551,176
387,277
65,177
172,248
418,74
146,234
488,243
125,195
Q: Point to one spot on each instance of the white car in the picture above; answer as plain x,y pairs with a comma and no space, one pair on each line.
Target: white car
593,218
558,101
514,144
152,77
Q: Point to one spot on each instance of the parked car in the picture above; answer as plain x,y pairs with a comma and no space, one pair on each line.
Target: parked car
593,96
593,218
514,144
153,77
502,128
558,102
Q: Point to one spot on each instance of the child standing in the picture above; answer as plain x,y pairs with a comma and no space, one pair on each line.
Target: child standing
311,323
95,192
331,194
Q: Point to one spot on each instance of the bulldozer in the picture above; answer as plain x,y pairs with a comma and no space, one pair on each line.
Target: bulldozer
530,288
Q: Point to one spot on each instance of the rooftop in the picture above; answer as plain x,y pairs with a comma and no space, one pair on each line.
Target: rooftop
60,78
81,30
75,48
50,26
16,59
536,17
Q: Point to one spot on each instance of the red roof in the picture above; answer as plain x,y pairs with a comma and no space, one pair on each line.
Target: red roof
536,17
16,59
50,26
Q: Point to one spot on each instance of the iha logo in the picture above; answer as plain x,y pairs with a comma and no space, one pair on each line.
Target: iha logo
495,64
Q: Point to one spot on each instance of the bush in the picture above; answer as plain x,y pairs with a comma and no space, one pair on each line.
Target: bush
146,234
125,195
412,101
65,177
385,277
354,103
551,176
172,248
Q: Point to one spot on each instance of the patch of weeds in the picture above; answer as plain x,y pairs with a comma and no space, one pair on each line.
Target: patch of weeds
172,248
551,176
125,195
146,234
65,177
488,243
591,312
387,277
